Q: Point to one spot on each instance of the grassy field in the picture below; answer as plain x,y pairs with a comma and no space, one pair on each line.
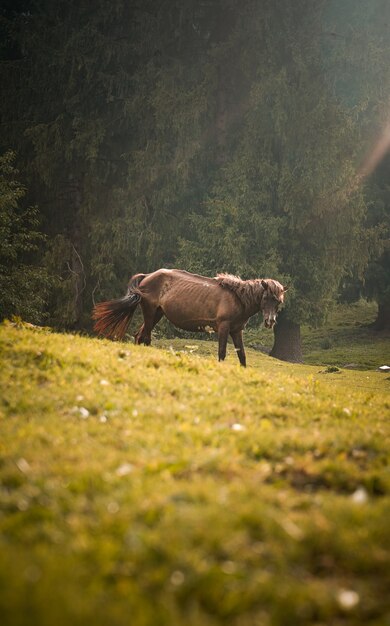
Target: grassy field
155,486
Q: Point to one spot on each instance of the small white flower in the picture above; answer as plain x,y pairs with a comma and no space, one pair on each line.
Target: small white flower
238,427
348,599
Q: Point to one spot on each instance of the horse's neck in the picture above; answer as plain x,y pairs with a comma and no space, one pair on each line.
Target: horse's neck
249,292
253,296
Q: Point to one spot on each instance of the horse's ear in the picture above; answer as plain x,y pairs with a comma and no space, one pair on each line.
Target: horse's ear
264,284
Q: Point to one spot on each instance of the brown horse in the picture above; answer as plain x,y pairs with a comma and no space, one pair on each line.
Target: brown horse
191,302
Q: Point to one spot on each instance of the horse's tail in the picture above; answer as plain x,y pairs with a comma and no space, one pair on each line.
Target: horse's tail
114,316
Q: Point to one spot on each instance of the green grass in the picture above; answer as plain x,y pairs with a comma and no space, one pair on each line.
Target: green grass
155,486
348,338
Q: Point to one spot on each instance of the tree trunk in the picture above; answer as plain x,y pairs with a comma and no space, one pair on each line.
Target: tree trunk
74,198
287,340
78,273
382,321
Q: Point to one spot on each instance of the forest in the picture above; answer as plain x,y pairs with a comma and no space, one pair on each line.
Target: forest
210,135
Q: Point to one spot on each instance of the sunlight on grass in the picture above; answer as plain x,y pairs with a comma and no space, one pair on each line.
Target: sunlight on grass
157,486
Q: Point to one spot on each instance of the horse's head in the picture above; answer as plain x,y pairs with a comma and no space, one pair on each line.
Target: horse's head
272,299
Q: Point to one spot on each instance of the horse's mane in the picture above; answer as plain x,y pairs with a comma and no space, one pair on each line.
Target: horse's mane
249,292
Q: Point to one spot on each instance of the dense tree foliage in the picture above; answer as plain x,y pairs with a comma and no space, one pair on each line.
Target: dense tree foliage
24,286
285,195
212,135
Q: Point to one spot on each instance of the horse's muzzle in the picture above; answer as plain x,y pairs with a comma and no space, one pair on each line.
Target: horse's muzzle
269,323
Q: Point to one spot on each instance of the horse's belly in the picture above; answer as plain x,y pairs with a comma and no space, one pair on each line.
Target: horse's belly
191,320
195,326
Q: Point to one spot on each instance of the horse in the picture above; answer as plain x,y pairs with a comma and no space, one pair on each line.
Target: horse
222,304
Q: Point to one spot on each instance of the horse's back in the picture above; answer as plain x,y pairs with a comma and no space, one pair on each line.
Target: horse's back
181,275
189,301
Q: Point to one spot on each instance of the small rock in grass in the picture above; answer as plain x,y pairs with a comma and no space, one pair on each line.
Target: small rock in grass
348,599
357,453
360,496
124,469
32,574
104,382
23,504
177,578
83,412
191,348
103,419
331,369
228,567
23,466
292,530
113,507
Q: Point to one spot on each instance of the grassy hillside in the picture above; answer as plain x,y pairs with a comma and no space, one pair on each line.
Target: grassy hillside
150,486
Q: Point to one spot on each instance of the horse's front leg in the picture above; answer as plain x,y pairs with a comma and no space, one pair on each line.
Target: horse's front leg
223,334
239,346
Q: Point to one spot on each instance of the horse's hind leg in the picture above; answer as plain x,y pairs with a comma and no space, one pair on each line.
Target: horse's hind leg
151,317
239,346
223,333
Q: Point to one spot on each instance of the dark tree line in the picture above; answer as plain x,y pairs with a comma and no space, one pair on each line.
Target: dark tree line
212,135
